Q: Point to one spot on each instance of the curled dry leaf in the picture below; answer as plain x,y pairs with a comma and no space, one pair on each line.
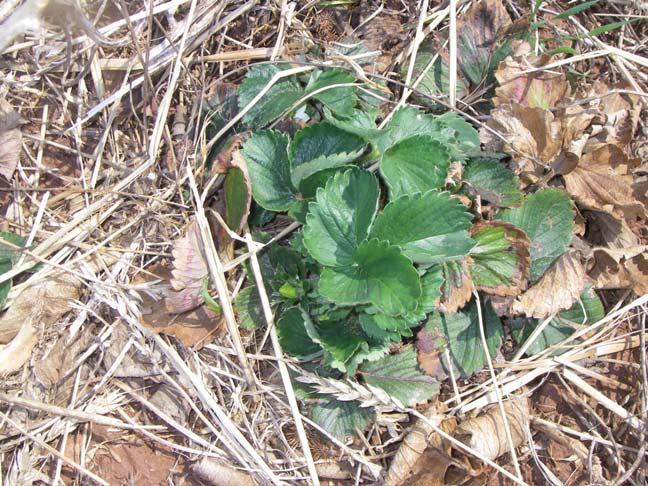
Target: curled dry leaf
424,456
10,139
603,181
486,433
189,270
35,308
621,112
214,472
625,268
557,290
533,137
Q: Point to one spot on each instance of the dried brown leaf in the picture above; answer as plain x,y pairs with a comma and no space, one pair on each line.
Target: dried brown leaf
621,112
10,139
196,327
486,434
557,290
214,472
533,138
424,456
36,307
429,344
602,181
15,354
625,268
42,304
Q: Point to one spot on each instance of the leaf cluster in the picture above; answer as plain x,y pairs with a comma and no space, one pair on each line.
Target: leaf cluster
381,254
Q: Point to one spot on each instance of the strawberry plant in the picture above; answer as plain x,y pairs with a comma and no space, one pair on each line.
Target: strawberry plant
383,256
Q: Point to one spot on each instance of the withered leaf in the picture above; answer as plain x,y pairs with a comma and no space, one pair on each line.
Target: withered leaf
602,181
538,89
189,270
10,139
557,290
457,288
195,327
424,456
500,261
430,344
487,435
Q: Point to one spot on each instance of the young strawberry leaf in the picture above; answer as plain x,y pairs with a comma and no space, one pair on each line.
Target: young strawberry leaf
322,146
379,274
463,133
340,100
415,164
339,219
492,182
293,337
341,419
406,122
547,217
500,260
429,228
279,98
464,341
266,155
399,375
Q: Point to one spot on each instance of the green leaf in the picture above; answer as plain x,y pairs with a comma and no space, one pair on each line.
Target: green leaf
500,260
340,339
266,155
465,135
279,98
5,286
247,306
435,80
406,122
431,283
292,334
338,221
322,146
9,254
309,185
237,199
380,274
547,217
588,310
341,419
359,122
375,329
464,341
429,228
492,182
400,376
340,100
415,164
